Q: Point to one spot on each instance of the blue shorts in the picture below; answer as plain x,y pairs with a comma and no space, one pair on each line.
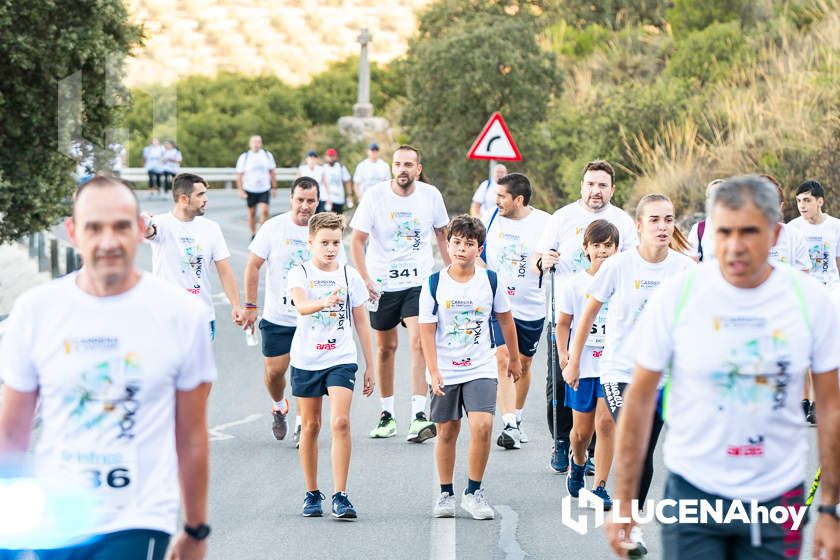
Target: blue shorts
586,396
528,334
276,339
314,383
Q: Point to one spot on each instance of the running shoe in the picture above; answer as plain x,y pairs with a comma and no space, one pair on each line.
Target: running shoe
445,505
523,437
574,479
589,466
510,438
312,504
420,429
279,425
476,505
341,506
296,436
386,428
812,414
637,537
601,492
806,406
559,462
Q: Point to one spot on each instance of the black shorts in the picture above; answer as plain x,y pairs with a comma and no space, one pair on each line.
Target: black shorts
314,383
394,307
276,339
257,198
528,334
133,544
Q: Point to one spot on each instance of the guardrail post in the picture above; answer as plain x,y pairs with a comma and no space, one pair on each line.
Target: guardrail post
42,253
69,260
33,249
78,261
228,185
54,258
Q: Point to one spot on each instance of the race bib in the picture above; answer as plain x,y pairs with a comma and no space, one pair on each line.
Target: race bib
109,475
598,332
403,274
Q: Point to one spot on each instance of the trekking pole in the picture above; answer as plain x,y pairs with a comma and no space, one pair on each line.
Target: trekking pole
553,350
814,486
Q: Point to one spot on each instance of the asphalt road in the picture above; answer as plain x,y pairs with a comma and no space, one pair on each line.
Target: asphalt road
257,486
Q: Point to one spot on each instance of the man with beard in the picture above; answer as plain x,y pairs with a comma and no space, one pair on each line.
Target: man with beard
399,217
184,243
282,242
561,247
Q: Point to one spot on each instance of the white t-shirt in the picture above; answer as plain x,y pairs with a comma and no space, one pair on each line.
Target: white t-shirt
107,370
316,173
119,153
172,160
571,299
153,158
567,225
790,249
336,175
626,281
738,360
284,245
255,167
708,242
182,253
462,337
485,195
401,230
369,173
325,339
822,241
510,243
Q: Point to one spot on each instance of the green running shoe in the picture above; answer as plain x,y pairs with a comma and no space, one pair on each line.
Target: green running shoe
421,429
386,428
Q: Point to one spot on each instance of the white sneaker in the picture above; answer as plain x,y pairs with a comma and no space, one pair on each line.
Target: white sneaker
445,506
509,438
637,537
523,437
476,505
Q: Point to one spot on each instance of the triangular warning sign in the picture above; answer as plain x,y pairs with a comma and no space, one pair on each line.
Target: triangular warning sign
495,142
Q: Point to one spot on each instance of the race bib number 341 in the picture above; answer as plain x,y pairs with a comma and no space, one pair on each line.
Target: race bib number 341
403,274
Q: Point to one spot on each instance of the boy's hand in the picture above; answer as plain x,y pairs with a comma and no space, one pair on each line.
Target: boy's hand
564,359
514,369
368,387
571,376
437,383
331,300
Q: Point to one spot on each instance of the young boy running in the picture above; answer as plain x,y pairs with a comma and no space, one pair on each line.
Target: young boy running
329,299
455,308
584,394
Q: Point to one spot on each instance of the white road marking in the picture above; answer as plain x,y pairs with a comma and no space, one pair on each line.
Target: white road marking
443,532
216,433
507,534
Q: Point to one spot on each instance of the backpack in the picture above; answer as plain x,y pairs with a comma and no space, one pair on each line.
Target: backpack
434,280
701,229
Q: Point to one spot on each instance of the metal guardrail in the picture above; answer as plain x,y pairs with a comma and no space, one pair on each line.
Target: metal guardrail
53,254
226,175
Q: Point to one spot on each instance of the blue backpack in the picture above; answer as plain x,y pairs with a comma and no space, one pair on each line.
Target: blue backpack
434,280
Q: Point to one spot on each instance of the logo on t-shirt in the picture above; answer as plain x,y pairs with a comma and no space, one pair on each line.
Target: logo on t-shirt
511,291
89,344
329,345
753,448
298,253
466,362
406,230
646,284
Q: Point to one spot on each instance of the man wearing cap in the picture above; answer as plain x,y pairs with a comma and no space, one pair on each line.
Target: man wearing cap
336,182
370,171
256,181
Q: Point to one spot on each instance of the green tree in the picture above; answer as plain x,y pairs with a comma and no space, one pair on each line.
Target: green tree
457,79
614,14
41,43
689,15
708,54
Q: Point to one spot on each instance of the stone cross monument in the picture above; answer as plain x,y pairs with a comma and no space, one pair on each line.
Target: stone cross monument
363,125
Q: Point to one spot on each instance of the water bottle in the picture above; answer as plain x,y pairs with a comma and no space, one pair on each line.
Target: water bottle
250,336
373,306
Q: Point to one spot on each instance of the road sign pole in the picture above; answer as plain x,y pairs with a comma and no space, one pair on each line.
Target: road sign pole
490,173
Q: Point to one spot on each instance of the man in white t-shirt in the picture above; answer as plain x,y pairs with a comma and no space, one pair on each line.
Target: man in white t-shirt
484,199
153,164
120,365
256,181
171,164
120,156
370,171
821,231
701,246
561,246
184,243
311,167
336,181
281,243
512,232
738,336
399,218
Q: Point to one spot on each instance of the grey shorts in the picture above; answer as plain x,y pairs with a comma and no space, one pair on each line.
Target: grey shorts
478,395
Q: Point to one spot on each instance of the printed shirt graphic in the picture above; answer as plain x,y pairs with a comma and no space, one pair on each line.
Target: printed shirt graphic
369,173
626,281
790,249
284,245
325,339
738,361
182,253
107,370
565,229
336,175
822,241
401,230
255,167
571,299
463,329
510,244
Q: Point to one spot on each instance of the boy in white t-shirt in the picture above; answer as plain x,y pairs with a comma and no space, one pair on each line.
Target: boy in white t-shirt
821,231
584,393
329,299
455,308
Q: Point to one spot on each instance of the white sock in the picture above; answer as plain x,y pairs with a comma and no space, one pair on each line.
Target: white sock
388,404
418,404
281,406
297,422
519,415
509,419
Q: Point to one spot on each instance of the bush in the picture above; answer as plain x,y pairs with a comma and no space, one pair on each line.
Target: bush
708,55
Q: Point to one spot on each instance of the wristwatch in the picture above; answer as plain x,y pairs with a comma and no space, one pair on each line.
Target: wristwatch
832,510
199,532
